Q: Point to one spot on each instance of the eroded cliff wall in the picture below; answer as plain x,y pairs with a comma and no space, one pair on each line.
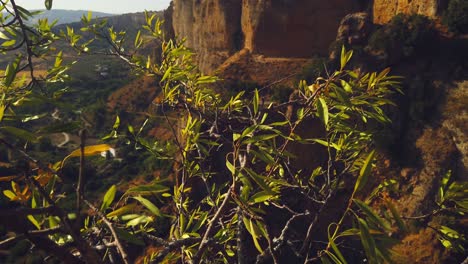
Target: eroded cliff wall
210,27
292,28
216,29
384,10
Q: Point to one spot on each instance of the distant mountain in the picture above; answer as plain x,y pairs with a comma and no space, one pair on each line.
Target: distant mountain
66,16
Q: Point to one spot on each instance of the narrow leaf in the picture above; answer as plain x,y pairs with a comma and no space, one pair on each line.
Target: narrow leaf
149,205
364,173
367,241
108,197
322,109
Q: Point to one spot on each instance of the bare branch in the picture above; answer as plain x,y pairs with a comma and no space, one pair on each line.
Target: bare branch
106,221
44,232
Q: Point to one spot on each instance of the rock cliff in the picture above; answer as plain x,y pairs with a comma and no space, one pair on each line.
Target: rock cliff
384,10
217,29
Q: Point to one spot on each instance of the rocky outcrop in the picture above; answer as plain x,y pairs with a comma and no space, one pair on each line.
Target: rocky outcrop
292,28
211,28
217,29
385,10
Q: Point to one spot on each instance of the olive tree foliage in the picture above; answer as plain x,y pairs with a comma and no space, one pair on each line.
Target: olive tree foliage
236,194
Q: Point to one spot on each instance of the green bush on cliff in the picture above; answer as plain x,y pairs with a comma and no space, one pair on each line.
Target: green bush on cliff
456,16
404,35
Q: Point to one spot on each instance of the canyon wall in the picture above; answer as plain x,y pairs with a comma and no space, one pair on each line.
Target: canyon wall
384,10
217,29
210,27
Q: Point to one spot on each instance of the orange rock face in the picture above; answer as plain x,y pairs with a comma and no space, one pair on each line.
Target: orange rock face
216,29
292,28
385,10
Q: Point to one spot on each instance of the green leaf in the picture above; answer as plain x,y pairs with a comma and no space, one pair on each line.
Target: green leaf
3,36
48,4
122,210
339,257
256,101
141,219
399,221
116,123
230,167
367,241
147,189
364,172
343,57
335,259
60,128
11,195
254,232
260,180
346,86
322,109
264,156
129,237
166,74
137,39
53,221
9,43
20,133
2,111
108,197
372,215
325,260
149,205
260,197
33,220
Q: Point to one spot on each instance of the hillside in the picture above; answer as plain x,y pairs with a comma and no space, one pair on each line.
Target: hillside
66,16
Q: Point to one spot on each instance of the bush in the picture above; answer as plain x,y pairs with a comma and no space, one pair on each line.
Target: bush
313,70
456,16
403,36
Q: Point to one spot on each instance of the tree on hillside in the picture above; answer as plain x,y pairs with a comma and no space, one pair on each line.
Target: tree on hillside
251,182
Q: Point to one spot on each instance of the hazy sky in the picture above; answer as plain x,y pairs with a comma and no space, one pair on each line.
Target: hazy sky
108,6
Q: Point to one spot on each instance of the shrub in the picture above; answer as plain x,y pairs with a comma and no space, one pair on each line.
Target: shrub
403,36
456,16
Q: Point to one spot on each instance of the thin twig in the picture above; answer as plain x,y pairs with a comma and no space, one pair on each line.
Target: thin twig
170,246
106,221
80,185
42,232
209,229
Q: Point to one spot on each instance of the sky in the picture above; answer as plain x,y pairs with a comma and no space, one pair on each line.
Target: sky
107,6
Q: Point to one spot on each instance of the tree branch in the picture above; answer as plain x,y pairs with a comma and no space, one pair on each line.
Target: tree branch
106,221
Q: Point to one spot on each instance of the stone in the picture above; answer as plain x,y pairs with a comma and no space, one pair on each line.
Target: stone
217,29
385,10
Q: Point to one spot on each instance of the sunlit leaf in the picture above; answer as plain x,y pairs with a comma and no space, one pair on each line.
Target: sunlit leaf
108,197
122,210
11,195
149,205
148,189
364,172
322,109
34,221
